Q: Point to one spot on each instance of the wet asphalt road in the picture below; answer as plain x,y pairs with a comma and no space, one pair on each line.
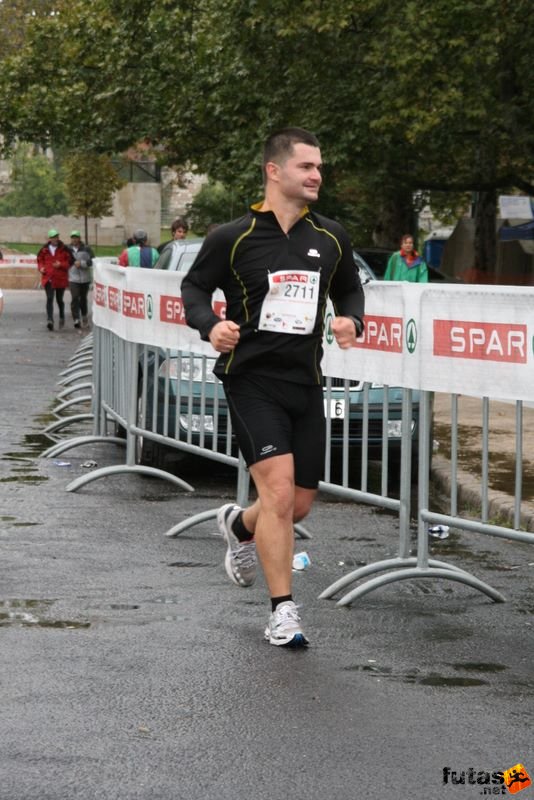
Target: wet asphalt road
132,669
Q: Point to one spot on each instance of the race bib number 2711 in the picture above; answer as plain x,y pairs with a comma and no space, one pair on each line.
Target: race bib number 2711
290,305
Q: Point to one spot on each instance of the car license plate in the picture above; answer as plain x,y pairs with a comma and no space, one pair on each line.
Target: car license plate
334,408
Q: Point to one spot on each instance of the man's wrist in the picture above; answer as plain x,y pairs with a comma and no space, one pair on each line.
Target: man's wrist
358,324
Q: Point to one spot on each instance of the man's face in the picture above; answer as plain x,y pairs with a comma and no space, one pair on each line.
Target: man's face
299,177
75,241
180,233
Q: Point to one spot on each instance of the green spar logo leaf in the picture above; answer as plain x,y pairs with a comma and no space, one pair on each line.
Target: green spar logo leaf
149,306
411,335
328,328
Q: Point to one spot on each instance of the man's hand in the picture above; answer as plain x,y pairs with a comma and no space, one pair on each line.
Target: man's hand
225,335
344,330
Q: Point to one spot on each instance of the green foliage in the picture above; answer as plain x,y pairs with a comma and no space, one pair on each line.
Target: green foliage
213,204
406,97
90,181
39,189
16,15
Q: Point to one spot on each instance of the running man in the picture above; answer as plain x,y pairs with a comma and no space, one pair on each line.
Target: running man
276,266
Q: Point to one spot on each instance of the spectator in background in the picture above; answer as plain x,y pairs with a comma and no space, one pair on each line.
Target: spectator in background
53,262
179,231
79,279
140,254
406,264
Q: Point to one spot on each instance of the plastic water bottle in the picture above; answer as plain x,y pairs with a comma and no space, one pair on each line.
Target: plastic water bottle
438,531
301,561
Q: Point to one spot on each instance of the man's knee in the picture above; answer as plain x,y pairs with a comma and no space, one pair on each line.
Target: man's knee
275,485
303,502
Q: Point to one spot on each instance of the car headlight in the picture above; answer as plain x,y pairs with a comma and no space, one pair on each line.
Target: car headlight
197,423
395,428
191,369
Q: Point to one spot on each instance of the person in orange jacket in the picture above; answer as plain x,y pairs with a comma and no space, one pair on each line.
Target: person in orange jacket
53,262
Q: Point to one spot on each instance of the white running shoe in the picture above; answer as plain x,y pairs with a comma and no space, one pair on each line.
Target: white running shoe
284,626
240,561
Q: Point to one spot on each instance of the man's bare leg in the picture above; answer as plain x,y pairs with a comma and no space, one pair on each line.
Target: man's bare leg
271,518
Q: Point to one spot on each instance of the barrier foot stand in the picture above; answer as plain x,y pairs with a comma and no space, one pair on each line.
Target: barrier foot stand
301,531
74,377
85,398
408,574
61,447
190,522
124,468
62,423
379,566
204,516
85,362
72,389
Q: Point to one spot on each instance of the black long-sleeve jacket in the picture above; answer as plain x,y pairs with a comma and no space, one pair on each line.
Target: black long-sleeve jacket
237,257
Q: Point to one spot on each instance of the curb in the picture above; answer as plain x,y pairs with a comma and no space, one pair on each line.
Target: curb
500,505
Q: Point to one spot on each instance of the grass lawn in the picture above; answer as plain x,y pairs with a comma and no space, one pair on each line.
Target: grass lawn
99,250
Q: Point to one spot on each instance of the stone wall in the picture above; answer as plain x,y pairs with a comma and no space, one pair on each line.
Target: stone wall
136,205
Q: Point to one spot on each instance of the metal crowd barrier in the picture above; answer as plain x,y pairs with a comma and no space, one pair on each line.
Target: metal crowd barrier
162,400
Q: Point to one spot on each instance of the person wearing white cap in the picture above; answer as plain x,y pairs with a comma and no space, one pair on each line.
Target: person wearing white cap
53,262
80,279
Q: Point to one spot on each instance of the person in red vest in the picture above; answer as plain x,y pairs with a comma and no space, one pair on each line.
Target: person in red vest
53,262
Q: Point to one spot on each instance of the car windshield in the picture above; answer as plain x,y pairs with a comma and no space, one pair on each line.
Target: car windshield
186,261
365,272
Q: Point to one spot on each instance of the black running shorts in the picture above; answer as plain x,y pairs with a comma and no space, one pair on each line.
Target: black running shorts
272,417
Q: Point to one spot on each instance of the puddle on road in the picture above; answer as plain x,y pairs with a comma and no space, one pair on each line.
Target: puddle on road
23,462
13,523
33,445
448,632
34,614
501,467
476,666
446,681
457,547
415,676
24,479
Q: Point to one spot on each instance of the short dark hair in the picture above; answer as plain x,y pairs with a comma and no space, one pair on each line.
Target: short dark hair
179,222
279,145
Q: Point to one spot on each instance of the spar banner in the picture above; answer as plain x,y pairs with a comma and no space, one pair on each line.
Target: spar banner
145,306
453,338
19,260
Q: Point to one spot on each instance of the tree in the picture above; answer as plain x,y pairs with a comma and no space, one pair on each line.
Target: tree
15,15
406,97
39,189
90,181
213,204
